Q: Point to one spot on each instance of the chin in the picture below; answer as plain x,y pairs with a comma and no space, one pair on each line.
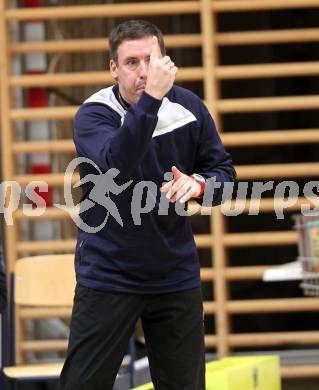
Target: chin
138,95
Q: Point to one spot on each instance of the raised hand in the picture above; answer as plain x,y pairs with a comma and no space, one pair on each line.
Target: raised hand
161,73
182,187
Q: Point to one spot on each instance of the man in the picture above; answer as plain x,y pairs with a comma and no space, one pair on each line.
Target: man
145,267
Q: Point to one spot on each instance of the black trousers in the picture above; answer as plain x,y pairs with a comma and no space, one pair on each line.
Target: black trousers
103,322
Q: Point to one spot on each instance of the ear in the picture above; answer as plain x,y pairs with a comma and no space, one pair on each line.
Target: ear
113,69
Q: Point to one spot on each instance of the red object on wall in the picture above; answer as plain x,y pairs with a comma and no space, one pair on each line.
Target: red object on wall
46,196
36,97
32,3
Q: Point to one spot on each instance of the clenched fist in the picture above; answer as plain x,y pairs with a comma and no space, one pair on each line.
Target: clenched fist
161,73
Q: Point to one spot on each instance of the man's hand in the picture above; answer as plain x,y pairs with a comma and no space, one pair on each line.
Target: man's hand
161,73
181,187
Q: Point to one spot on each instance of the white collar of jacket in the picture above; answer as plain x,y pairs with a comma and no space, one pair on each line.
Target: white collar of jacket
171,116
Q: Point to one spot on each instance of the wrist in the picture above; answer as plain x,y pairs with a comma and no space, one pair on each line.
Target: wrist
201,181
154,93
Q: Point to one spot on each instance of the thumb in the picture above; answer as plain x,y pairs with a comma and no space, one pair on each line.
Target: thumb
176,172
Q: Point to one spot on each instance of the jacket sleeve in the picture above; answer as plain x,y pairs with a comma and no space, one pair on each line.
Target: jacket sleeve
99,136
212,160
3,284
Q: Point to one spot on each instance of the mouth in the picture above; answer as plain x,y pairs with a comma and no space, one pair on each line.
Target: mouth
141,88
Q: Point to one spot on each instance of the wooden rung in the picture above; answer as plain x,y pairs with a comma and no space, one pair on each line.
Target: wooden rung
52,246
245,172
272,305
270,204
95,44
265,104
37,313
304,371
65,112
260,5
265,205
229,72
273,171
277,137
106,10
53,179
209,307
236,273
230,240
210,340
207,274
150,8
49,213
61,79
234,240
224,106
271,339
266,306
203,240
89,78
245,273
271,137
50,146
44,370
264,37
59,46
43,345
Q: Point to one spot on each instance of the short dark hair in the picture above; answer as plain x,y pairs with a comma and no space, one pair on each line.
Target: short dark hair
133,29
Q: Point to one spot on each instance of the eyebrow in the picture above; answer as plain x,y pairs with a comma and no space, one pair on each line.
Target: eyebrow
130,58
134,58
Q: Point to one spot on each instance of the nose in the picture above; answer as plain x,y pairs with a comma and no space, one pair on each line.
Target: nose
143,69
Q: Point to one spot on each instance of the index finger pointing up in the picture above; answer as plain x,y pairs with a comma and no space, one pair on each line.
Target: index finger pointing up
155,47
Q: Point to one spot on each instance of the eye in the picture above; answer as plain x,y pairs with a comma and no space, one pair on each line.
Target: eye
131,61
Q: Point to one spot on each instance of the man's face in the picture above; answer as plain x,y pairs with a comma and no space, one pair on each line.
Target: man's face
131,68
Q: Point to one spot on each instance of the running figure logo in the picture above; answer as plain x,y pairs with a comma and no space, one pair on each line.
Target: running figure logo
103,186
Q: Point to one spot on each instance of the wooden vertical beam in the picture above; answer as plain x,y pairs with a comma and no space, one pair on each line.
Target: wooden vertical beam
7,155
210,58
220,283
212,92
6,130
